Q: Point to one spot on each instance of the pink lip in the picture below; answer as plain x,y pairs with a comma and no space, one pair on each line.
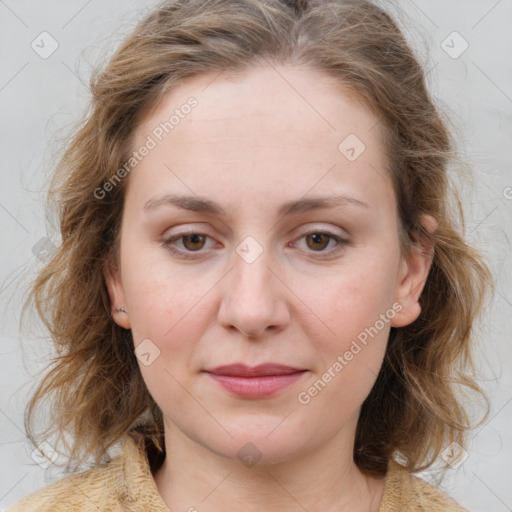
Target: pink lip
256,382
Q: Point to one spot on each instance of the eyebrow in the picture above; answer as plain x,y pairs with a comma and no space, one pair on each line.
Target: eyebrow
203,205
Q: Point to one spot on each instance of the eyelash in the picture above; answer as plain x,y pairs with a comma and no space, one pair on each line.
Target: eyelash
191,255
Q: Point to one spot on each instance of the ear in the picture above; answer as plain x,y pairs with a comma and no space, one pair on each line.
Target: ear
115,289
413,276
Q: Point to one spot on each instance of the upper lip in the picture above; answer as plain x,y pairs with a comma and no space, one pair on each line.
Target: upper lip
242,370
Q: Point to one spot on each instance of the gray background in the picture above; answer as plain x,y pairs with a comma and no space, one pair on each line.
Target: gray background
40,99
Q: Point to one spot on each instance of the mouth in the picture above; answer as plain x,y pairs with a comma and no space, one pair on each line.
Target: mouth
255,382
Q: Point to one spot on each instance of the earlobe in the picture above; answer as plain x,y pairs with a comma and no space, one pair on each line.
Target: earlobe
115,289
413,275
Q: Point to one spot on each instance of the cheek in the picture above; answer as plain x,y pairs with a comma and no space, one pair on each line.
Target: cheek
172,311
162,298
356,298
357,308
168,309
358,311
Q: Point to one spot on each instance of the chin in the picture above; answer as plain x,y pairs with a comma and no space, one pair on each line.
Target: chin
260,444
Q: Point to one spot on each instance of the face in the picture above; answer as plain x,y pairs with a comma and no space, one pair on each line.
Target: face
261,227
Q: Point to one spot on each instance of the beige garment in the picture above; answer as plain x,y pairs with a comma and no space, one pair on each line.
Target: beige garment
125,484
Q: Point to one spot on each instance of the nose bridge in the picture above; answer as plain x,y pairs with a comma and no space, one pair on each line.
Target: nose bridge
253,299
253,279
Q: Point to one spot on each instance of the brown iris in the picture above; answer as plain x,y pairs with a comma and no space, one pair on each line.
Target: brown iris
196,241
320,240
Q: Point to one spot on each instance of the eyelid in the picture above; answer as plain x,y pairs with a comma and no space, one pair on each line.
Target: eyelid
328,230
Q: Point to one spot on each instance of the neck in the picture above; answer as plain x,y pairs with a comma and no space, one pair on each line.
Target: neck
325,479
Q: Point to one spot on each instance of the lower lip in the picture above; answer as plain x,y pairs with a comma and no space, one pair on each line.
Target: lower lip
256,387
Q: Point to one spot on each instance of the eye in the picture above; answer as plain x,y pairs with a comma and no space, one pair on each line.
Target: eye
190,243
318,241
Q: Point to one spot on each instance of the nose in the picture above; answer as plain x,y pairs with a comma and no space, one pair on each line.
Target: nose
254,299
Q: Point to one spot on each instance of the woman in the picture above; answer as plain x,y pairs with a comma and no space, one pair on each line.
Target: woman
261,291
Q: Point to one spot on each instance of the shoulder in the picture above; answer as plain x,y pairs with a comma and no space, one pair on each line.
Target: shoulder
124,483
404,491
95,489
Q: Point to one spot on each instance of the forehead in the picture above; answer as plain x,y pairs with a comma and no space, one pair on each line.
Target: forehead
277,95
271,128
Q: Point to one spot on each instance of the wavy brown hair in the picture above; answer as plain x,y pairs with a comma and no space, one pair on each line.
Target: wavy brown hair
94,385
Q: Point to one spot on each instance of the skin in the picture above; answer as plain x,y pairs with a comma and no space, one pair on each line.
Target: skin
252,143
